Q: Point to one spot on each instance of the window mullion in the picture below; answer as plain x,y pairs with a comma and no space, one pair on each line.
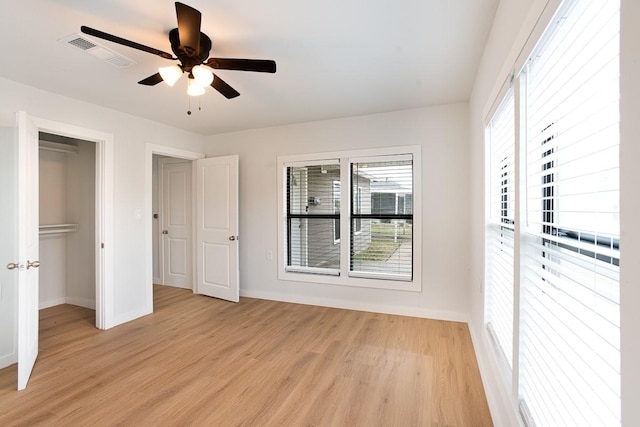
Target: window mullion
519,216
345,216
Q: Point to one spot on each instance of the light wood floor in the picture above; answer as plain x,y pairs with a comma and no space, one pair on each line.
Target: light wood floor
205,362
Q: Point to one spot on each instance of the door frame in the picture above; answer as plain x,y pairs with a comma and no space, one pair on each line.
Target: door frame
161,150
103,210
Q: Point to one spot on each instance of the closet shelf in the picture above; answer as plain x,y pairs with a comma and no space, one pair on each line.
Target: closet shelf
58,228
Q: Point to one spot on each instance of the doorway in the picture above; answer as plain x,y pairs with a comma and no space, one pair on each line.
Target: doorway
215,218
27,242
102,211
172,222
67,221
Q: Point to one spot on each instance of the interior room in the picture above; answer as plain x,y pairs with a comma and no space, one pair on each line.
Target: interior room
367,208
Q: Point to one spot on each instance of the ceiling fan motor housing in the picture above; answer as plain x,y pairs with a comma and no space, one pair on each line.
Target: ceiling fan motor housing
186,54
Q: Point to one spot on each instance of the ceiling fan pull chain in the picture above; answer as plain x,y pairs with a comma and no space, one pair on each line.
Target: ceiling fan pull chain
189,110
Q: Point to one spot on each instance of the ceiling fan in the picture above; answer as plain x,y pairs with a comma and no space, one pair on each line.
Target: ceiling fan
191,47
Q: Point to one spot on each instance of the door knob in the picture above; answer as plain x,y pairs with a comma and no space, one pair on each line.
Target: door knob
165,231
34,264
13,265
232,238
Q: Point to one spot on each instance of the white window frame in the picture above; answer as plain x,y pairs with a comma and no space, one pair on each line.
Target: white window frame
333,187
345,278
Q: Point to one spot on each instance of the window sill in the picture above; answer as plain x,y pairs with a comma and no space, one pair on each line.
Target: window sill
396,284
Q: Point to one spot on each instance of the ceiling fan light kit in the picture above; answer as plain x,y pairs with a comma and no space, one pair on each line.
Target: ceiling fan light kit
194,89
202,76
170,74
191,47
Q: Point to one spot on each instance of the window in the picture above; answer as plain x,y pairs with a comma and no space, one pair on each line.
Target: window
313,209
379,223
570,314
567,337
499,278
386,246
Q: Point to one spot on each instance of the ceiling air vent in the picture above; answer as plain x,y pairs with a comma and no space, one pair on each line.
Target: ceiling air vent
94,49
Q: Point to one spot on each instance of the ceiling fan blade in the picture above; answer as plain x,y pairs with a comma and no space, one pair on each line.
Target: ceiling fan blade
259,65
189,28
222,87
151,80
124,42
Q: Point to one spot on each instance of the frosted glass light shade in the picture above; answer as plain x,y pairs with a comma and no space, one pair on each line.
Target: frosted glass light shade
170,74
194,89
202,75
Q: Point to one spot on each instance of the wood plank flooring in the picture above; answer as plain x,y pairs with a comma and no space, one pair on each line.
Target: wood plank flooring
205,362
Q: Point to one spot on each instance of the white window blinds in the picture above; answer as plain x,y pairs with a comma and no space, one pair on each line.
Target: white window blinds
569,320
382,217
500,135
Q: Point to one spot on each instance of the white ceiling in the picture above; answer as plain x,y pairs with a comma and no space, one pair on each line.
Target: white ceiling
335,58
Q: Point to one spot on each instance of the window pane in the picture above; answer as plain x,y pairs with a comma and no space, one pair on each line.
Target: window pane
311,243
384,247
499,258
311,189
381,218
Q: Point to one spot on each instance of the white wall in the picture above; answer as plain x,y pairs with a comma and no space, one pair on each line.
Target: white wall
630,211
131,134
81,245
441,131
53,210
514,21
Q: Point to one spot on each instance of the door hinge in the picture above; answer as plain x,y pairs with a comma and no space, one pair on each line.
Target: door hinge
101,245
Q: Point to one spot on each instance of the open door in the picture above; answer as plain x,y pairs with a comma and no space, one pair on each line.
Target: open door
28,248
216,187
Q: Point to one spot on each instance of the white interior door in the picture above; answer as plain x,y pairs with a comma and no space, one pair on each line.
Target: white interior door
28,248
176,223
217,227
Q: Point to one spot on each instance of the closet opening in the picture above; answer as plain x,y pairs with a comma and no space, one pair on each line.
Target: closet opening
68,225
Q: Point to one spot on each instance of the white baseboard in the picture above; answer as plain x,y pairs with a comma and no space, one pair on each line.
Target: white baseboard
52,303
498,396
81,302
359,306
8,360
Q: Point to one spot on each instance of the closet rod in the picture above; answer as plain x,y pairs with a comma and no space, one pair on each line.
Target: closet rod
58,228
57,147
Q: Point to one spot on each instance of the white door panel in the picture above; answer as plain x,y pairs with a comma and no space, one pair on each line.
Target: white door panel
28,247
217,255
217,227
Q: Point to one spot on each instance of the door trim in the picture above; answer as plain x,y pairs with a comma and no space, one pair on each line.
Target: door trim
161,150
103,209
